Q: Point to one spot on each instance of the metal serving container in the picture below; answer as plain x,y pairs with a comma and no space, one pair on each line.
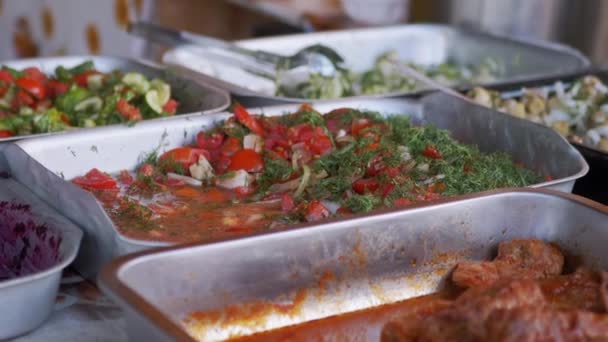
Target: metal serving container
340,266
44,165
426,44
594,184
195,97
27,301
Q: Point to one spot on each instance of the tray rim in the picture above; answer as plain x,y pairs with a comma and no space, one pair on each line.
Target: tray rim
109,277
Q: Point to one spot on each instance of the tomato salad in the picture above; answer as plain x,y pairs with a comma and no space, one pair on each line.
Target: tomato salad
32,102
253,173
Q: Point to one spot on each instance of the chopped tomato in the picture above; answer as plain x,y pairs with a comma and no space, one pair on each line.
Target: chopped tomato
6,134
3,90
6,76
231,145
146,170
35,73
431,152
128,111
82,79
321,145
248,120
436,188
22,99
362,186
316,211
244,190
55,88
32,86
287,202
376,165
185,156
402,202
392,172
170,107
95,180
359,124
246,159
221,165
211,141
344,211
125,177
387,189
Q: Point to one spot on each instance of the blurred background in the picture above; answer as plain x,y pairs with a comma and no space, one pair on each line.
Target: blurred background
31,28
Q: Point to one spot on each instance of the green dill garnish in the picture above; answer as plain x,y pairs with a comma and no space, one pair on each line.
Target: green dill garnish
235,130
307,116
150,158
275,171
362,203
171,165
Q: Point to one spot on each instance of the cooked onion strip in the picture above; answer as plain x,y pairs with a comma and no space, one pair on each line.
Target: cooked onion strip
186,179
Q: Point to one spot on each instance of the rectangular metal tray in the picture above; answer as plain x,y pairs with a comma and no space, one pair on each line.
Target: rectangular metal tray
426,44
27,301
594,184
374,260
45,164
195,97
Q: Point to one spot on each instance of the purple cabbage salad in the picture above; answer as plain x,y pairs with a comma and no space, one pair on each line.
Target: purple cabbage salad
26,246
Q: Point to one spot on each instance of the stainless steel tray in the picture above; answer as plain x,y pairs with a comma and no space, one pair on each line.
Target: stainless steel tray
373,260
27,301
43,164
594,184
195,97
426,44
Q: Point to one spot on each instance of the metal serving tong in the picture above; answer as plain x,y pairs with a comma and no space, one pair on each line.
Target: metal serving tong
317,59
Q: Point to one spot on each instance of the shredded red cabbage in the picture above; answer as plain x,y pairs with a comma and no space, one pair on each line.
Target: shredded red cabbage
26,247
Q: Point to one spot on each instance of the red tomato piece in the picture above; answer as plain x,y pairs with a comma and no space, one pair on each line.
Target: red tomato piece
55,88
3,90
436,188
125,177
82,78
5,134
211,141
22,98
244,190
246,159
146,170
387,189
95,180
344,211
247,120
35,73
320,144
362,186
6,76
128,111
170,107
185,156
431,152
221,165
316,211
376,166
300,133
287,202
231,145
402,202
32,86
359,124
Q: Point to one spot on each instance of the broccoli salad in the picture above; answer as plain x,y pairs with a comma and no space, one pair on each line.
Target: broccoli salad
32,102
385,77
578,111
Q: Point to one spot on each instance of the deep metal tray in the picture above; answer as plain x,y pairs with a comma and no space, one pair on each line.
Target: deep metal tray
195,97
372,260
426,44
43,165
27,301
594,184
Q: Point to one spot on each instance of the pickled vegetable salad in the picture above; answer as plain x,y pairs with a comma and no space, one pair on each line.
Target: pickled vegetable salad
578,111
385,77
253,172
32,102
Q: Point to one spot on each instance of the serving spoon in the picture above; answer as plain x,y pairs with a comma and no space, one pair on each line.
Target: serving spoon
315,59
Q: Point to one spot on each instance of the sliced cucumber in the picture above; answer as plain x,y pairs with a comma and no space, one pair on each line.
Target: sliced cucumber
95,81
92,103
164,90
136,81
152,99
88,123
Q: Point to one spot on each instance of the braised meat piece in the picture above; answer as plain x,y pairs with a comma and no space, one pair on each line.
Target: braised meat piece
579,290
518,258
